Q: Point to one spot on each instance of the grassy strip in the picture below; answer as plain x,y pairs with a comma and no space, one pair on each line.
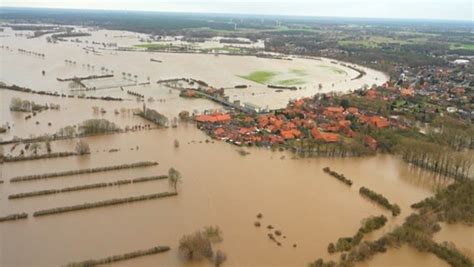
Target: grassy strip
338,176
104,203
82,171
85,187
381,200
14,217
120,257
35,157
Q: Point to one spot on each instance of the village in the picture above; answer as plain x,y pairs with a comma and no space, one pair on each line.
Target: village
351,120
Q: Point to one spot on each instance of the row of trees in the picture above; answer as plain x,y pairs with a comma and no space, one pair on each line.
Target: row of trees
18,104
368,225
309,147
453,204
381,200
431,156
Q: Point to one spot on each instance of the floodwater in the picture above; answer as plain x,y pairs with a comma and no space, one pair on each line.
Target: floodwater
220,71
219,186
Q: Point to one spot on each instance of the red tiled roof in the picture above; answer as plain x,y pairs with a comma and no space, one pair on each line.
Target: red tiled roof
299,103
379,122
353,110
326,137
371,142
213,118
219,131
344,123
407,92
245,130
335,109
287,134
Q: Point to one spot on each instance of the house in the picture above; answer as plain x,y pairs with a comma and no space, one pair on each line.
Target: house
326,137
344,124
217,117
379,122
371,94
409,92
353,110
333,110
370,142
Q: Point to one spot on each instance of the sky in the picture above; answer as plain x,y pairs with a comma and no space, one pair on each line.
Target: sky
407,9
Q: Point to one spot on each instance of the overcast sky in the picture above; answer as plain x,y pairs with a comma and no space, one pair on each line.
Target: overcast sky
413,9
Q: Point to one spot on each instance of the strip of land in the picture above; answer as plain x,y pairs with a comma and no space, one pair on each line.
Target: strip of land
81,171
104,203
121,257
85,187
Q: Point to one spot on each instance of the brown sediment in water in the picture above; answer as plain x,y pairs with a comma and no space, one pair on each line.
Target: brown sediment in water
219,186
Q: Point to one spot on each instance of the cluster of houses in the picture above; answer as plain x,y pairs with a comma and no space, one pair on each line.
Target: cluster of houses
449,87
302,119
417,93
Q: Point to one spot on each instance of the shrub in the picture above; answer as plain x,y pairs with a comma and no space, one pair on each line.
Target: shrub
219,258
213,233
82,148
195,246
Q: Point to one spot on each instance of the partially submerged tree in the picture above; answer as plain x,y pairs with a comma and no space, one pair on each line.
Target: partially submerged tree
48,146
82,148
219,258
195,246
174,177
176,143
214,233
35,146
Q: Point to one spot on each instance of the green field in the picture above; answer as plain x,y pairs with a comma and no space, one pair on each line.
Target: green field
154,46
262,76
287,78
376,41
334,69
298,72
291,82
226,49
462,46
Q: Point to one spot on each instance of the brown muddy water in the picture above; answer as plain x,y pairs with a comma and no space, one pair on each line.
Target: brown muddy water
220,71
220,187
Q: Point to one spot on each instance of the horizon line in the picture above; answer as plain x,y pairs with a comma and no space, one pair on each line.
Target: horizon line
245,14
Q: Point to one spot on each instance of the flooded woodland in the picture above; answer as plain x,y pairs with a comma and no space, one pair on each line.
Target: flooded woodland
219,186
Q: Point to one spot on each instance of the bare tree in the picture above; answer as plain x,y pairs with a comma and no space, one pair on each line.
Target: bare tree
195,246
82,148
219,258
174,177
35,146
48,146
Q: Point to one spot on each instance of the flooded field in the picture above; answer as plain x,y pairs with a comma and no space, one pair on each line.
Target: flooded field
223,188
220,71
219,186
